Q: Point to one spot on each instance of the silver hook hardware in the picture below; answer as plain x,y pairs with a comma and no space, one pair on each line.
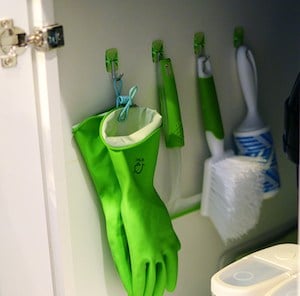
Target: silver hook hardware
14,40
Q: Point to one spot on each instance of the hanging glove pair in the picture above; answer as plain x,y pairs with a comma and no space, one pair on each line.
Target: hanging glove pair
121,162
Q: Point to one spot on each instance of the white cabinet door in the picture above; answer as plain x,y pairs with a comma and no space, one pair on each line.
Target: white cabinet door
30,255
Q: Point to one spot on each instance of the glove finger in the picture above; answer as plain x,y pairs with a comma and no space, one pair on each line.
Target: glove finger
120,253
161,279
171,261
138,278
150,279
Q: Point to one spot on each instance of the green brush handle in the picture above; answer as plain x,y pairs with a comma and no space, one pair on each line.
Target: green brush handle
170,110
211,114
210,108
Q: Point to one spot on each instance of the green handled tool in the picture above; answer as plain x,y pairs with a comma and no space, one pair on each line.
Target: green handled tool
169,103
211,115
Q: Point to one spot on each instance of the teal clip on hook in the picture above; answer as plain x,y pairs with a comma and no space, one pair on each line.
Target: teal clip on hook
112,63
169,103
199,43
238,36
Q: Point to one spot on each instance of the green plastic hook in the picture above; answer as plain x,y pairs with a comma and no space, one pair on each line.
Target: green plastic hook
238,37
199,42
111,59
157,50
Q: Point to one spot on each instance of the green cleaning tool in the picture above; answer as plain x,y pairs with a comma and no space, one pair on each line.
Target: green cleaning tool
169,103
101,170
232,185
172,127
153,245
212,121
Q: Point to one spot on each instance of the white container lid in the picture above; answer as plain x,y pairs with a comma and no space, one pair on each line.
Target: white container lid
257,273
289,287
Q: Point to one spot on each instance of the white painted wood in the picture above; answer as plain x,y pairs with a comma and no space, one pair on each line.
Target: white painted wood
34,216
25,267
46,78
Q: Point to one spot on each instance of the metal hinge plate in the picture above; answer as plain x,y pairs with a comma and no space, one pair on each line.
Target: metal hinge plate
14,40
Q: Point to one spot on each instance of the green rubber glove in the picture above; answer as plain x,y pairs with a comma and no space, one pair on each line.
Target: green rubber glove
100,167
153,245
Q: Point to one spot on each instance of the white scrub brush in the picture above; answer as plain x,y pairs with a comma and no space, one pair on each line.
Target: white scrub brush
232,185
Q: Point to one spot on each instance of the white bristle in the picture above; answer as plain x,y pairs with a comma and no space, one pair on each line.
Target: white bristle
235,195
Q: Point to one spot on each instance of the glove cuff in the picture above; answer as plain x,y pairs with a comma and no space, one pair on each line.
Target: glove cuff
141,122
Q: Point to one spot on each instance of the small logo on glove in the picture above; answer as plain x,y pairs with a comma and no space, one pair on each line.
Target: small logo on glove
139,166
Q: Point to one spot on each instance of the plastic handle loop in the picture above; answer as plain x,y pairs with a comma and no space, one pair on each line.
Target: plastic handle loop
127,101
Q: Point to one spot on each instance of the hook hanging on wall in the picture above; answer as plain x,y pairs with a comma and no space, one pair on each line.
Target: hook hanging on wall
112,63
199,50
157,50
199,43
238,36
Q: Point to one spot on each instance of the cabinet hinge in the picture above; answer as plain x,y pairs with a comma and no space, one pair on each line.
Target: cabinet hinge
14,40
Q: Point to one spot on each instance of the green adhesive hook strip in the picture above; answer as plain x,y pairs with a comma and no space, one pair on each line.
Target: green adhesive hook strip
111,59
238,37
199,42
157,50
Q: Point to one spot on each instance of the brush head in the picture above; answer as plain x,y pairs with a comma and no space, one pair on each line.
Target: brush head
208,174
234,196
260,143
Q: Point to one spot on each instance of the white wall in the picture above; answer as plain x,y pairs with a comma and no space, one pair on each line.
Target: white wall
93,26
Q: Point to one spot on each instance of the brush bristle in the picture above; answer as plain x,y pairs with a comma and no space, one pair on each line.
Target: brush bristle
236,195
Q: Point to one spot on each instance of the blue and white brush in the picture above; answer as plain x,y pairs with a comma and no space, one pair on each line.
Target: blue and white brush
252,137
